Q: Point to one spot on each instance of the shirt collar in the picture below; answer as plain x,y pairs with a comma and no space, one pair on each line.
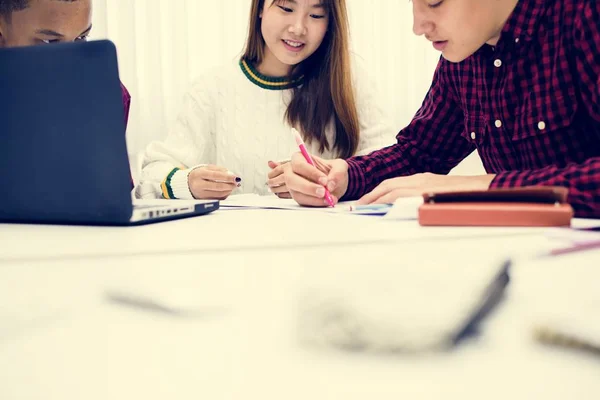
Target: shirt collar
267,82
524,21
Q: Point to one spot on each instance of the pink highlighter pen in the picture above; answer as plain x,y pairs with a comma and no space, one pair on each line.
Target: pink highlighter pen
309,160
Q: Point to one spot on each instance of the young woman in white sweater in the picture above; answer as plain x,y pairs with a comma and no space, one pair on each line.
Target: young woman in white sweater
295,72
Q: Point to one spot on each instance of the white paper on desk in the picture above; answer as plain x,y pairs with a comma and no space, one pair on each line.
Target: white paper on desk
405,208
274,202
253,200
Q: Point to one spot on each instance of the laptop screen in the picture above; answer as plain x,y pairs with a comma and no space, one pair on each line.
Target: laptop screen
63,156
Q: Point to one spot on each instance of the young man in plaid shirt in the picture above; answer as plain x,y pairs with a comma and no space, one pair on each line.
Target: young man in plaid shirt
518,81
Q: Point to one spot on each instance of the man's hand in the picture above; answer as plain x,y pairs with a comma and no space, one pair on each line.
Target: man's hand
415,185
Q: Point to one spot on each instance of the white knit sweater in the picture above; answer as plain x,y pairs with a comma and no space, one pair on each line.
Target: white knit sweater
230,121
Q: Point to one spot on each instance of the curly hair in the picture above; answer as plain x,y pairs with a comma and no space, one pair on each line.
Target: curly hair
7,7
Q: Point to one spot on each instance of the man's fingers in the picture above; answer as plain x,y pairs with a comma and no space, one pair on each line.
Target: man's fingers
394,195
388,196
373,196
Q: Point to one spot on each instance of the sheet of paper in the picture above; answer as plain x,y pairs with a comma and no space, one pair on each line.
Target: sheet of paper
405,208
402,209
273,202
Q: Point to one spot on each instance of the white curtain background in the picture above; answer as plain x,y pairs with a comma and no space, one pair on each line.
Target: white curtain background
164,44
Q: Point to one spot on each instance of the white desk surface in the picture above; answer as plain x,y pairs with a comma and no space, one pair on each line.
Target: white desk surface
224,231
61,339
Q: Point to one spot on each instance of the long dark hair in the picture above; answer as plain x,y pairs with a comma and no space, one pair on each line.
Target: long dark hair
326,94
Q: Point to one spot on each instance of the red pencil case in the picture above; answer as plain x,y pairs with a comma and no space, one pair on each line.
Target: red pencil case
526,206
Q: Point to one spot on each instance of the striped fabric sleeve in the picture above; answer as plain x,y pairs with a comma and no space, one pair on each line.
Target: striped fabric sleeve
166,188
176,186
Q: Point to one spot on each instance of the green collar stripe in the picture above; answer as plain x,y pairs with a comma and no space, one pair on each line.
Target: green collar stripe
266,82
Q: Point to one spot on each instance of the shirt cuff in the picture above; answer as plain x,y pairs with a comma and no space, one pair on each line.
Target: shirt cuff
175,185
508,179
356,181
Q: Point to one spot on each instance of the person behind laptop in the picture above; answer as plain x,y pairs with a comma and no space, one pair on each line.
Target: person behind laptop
40,22
518,80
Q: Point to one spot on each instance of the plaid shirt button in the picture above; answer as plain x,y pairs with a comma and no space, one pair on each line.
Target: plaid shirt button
498,123
497,63
473,135
541,125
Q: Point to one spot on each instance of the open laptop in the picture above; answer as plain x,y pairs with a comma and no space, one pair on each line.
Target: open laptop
63,155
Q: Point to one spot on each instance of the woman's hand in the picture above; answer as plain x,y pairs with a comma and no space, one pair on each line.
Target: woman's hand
276,179
212,182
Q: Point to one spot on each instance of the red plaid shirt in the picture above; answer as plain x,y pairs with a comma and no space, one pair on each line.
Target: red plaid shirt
530,106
